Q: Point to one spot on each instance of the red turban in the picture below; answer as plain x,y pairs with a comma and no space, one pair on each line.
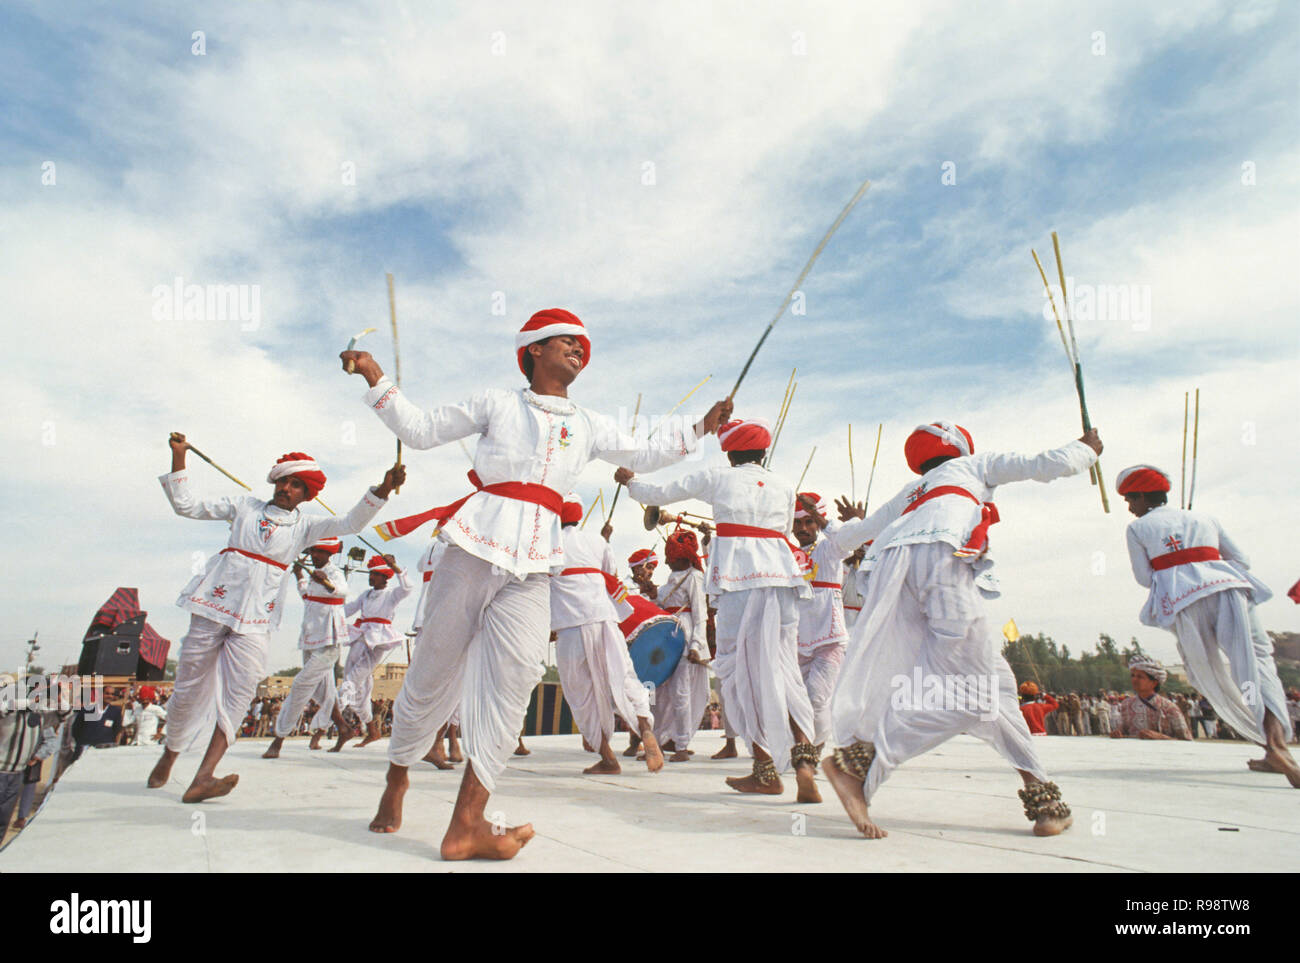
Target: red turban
571,513
331,545
548,324
935,440
643,556
1029,688
1142,478
683,544
801,512
303,467
379,564
753,435
148,693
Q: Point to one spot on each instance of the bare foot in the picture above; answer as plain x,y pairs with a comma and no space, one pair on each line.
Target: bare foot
315,739
805,778
20,823
209,788
633,745
669,746
372,734
654,756
855,804
162,770
605,767
438,756
1046,825
388,819
1282,761
751,784
728,751
586,746
522,750
273,750
681,755
485,841
345,733
455,755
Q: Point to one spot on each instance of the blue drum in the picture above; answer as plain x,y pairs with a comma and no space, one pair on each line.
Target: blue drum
656,646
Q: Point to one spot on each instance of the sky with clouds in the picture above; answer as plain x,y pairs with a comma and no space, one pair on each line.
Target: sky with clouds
663,171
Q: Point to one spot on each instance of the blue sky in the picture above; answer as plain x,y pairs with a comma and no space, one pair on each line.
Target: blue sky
503,154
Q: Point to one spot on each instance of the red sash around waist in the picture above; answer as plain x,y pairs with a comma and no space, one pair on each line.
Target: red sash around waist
855,608
323,600
258,558
548,498
730,530
1185,556
582,571
376,621
829,585
979,536
672,609
428,576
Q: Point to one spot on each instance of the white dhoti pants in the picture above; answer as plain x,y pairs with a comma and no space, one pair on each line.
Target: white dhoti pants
758,663
480,651
327,696
317,671
598,680
923,665
680,703
820,669
1226,624
217,673
359,676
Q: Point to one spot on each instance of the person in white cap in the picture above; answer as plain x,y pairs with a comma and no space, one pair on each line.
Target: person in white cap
822,631
759,580
487,624
923,624
324,591
373,639
1202,590
590,652
1147,714
236,602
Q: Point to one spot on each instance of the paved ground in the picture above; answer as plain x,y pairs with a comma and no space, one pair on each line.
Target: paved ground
1139,806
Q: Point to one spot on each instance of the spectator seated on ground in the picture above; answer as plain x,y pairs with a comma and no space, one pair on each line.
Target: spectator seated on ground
1146,714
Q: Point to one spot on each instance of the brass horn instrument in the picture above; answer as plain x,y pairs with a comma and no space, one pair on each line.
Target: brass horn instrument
655,516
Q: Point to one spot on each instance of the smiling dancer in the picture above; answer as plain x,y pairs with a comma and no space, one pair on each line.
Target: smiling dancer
488,618
236,602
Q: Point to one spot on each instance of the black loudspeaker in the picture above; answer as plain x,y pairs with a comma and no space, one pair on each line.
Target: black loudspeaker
116,654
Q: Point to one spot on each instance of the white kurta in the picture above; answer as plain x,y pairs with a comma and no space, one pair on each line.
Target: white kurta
821,615
582,597
323,623
544,440
372,642
746,495
487,619
245,593
851,596
923,662
1210,608
680,702
758,581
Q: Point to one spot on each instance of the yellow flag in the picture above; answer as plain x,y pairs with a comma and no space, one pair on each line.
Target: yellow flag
1010,632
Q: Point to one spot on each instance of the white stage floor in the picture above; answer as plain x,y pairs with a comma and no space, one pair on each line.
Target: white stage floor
1139,806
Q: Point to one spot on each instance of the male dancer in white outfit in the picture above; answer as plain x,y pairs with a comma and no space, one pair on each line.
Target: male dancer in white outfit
753,568
236,603
440,755
590,652
324,591
923,619
488,621
1203,592
680,702
822,632
373,639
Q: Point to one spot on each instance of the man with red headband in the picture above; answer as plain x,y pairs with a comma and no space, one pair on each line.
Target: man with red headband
1202,591
923,630
236,602
759,580
822,632
324,590
590,652
644,561
488,618
680,702
373,638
